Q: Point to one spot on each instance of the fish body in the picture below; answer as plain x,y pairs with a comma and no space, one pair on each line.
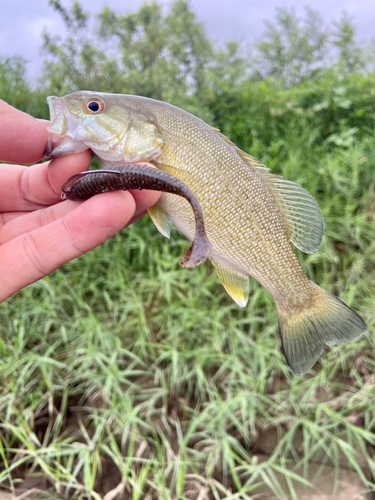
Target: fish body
250,215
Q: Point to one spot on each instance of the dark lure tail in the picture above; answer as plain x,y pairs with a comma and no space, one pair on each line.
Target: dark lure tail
139,176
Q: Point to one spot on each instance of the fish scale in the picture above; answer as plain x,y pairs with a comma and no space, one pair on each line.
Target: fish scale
251,216
263,229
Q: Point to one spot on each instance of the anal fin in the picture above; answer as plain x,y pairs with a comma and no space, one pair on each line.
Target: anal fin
236,284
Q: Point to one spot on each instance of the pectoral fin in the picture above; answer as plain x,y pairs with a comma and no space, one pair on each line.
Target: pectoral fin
235,283
161,220
158,215
184,176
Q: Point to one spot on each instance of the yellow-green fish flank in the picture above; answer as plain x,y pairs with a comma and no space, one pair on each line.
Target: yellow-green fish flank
251,216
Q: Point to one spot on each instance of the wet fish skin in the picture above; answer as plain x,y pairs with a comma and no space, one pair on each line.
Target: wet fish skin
251,216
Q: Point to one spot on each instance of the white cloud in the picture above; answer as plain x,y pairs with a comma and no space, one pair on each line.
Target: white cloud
22,22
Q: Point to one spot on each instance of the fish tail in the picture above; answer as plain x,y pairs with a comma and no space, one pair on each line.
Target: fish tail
326,320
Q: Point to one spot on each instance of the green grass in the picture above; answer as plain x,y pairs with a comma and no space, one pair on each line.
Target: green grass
123,375
123,372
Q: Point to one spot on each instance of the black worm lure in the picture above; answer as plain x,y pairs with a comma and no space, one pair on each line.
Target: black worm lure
135,176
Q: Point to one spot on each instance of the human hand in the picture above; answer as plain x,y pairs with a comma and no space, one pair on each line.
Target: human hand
38,232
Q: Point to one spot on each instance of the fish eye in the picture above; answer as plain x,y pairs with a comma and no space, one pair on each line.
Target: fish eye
95,106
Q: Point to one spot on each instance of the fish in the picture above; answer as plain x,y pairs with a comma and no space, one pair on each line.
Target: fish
251,216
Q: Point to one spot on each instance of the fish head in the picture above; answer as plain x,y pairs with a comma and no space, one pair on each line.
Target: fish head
104,123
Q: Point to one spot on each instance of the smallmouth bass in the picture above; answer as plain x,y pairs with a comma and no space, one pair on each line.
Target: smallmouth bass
250,215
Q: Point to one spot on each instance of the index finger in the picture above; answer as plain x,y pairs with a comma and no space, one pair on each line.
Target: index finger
23,139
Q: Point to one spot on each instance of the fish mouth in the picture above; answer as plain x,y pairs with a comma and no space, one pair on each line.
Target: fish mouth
51,107
61,130
52,114
57,127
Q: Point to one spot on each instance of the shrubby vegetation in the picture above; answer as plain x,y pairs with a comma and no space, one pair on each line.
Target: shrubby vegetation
122,370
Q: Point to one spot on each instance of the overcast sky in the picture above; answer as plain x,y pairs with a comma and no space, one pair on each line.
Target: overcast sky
22,21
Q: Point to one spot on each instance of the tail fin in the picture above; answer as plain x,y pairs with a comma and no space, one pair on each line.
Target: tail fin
328,322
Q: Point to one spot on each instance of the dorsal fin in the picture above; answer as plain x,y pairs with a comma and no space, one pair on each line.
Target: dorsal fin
248,159
302,213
